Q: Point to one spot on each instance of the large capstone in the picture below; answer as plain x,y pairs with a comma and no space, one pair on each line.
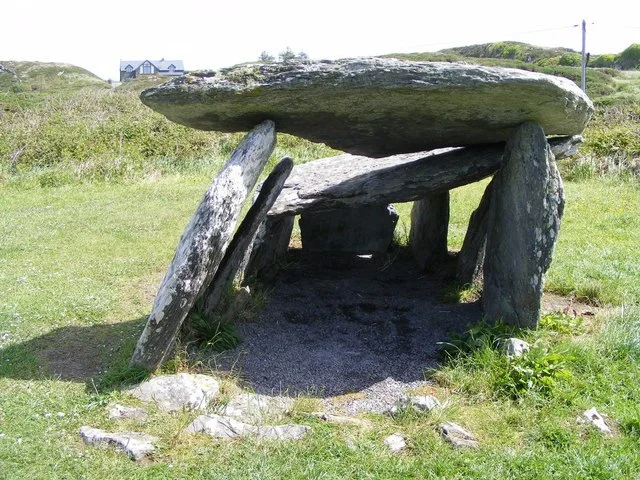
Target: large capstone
524,219
375,106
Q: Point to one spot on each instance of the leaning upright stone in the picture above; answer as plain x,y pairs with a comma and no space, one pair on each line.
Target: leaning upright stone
203,245
231,263
526,206
269,248
429,229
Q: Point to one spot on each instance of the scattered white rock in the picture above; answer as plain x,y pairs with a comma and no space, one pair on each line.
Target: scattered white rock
457,436
395,442
60,415
177,392
120,412
594,418
420,403
136,445
227,428
340,419
514,347
254,408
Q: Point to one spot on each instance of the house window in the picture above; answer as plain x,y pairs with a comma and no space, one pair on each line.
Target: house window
146,68
129,69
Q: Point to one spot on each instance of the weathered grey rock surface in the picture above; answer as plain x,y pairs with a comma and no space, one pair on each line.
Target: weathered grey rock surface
135,444
375,106
515,347
121,412
457,436
177,392
471,256
203,245
419,403
395,442
227,428
359,230
429,229
526,207
254,408
245,234
350,181
269,247
593,417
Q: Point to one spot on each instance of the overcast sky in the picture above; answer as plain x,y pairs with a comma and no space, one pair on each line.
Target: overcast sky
214,34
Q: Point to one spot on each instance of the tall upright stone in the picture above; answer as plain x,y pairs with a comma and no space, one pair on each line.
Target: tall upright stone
429,228
527,203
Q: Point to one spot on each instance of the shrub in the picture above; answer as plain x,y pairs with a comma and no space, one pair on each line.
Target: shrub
608,60
630,57
570,60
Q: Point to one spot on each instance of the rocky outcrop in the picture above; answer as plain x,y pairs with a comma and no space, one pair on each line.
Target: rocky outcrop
375,106
203,245
526,206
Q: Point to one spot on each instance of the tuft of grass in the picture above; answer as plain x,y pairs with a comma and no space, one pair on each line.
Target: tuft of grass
214,335
455,293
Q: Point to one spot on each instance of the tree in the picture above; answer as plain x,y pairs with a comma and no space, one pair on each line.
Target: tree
287,56
266,57
302,56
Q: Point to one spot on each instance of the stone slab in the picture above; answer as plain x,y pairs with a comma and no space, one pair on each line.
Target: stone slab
375,106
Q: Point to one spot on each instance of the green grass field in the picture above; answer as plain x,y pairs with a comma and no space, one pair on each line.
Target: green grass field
79,268
90,214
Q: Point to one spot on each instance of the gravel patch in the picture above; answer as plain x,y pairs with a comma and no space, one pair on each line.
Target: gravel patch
341,324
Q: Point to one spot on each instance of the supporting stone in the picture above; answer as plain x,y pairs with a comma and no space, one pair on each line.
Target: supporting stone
429,228
203,245
352,181
349,230
524,220
269,247
471,256
245,234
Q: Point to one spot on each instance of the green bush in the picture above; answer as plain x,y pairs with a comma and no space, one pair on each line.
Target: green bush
570,60
608,60
630,57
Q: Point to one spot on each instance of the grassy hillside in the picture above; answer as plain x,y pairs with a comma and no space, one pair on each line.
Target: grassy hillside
24,84
61,123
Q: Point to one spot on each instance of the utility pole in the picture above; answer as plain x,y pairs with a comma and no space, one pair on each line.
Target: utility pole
584,56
